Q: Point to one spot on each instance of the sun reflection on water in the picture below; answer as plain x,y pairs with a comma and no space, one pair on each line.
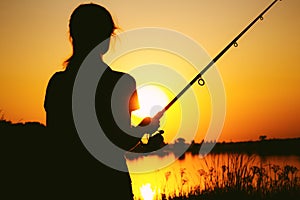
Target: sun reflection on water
146,192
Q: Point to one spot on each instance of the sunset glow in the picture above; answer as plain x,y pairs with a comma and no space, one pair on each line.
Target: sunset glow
261,83
225,73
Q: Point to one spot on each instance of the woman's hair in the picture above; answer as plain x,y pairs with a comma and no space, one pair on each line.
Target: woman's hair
90,24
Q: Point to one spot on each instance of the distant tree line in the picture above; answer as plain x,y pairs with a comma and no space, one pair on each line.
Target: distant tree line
262,147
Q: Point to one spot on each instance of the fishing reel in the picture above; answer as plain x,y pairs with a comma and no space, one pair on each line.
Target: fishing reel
155,142
150,143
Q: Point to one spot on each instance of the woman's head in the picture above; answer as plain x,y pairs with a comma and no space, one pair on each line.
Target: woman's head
90,24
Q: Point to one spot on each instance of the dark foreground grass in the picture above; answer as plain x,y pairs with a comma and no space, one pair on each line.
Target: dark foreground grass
241,178
224,194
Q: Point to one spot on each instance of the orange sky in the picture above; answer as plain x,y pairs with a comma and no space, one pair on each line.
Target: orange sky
260,76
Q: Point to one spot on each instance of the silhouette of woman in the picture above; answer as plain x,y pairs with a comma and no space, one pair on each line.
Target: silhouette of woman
74,171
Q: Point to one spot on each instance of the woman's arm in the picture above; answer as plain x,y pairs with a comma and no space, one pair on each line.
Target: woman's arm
125,91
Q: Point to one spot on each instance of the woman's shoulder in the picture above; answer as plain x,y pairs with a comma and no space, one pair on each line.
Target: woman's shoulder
58,78
58,75
124,76
58,81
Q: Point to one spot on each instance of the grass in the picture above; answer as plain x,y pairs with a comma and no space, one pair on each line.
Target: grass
239,177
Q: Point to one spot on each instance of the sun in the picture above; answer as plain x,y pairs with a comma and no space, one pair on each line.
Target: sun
152,99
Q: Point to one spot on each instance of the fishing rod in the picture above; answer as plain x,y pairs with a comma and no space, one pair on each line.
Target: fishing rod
157,137
234,43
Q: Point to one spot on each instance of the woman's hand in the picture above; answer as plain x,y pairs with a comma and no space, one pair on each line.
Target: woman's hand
151,125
